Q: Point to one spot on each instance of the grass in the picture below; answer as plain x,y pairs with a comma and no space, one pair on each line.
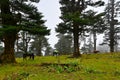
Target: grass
89,67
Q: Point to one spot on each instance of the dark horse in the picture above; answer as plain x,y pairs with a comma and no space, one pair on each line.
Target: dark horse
31,56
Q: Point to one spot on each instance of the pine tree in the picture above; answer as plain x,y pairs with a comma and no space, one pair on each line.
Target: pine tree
112,10
24,42
64,44
18,15
73,20
40,44
96,24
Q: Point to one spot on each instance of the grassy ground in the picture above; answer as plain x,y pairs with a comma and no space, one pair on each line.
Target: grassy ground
89,67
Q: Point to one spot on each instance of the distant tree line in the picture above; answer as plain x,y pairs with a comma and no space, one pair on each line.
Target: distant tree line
83,22
22,27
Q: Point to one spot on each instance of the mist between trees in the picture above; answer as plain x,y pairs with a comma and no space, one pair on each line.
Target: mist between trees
78,23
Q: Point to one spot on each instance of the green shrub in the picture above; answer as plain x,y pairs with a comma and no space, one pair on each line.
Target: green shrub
59,68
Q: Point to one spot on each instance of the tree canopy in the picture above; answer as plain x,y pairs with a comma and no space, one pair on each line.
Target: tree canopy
74,20
18,15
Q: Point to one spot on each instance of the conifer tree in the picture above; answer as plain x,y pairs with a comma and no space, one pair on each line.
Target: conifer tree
73,20
96,24
111,35
40,44
18,15
64,44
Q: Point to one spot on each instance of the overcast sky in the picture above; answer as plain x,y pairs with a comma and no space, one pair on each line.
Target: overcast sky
51,12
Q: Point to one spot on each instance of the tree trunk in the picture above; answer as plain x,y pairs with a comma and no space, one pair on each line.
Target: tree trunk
94,38
39,48
9,37
112,39
112,33
76,42
8,55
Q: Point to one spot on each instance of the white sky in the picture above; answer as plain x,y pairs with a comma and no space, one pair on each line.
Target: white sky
51,12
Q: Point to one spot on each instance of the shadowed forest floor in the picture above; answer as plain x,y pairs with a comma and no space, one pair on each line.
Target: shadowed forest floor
88,67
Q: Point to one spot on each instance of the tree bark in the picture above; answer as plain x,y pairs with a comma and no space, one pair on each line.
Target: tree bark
94,38
112,33
9,37
76,42
8,55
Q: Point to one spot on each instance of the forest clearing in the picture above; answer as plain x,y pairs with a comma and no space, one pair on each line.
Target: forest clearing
88,67
24,33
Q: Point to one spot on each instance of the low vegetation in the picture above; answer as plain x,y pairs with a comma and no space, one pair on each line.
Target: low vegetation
89,67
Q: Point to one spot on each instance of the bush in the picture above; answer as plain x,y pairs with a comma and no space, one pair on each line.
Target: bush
59,68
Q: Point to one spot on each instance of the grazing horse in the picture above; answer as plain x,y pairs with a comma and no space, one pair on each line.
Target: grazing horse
31,56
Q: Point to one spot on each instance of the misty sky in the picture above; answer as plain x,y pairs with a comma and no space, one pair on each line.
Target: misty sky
51,12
